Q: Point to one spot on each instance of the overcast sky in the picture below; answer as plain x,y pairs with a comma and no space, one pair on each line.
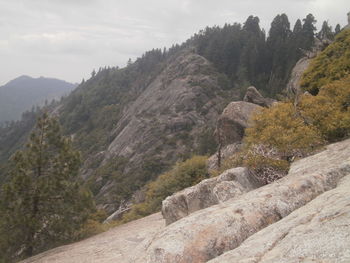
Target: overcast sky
67,39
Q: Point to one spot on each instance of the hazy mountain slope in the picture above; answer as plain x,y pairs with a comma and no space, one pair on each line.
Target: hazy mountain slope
147,125
22,93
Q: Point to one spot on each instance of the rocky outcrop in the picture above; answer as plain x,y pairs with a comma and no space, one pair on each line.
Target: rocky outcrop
293,85
253,95
164,121
174,102
210,232
233,121
230,184
317,232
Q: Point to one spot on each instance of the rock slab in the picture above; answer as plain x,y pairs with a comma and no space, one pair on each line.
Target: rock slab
259,226
316,232
115,245
230,184
208,233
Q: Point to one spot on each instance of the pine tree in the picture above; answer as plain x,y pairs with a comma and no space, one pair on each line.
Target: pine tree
308,32
337,29
93,73
297,27
295,44
278,50
325,32
252,55
43,204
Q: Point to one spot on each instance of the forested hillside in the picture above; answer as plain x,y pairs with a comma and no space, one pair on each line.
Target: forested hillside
133,123
249,56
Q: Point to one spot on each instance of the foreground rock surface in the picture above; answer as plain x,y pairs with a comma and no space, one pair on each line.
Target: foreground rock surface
210,232
316,232
230,184
259,226
114,245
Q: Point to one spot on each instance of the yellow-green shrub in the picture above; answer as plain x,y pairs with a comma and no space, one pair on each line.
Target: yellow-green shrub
285,131
182,175
281,127
329,111
332,64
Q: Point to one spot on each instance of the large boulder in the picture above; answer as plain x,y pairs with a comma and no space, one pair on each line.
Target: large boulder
253,95
233,121
210,232
230,184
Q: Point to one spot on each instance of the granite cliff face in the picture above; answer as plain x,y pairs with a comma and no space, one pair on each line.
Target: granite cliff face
164,122
181,99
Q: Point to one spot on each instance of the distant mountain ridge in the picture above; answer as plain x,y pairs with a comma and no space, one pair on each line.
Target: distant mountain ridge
20,94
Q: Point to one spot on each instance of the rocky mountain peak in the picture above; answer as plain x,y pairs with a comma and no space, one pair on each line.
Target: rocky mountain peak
163,122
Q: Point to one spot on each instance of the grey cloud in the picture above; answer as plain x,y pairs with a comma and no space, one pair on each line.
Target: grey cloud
68,38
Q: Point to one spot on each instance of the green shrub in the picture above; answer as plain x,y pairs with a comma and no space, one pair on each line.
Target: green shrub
182,175
329,111
332,64
282,128
284,131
